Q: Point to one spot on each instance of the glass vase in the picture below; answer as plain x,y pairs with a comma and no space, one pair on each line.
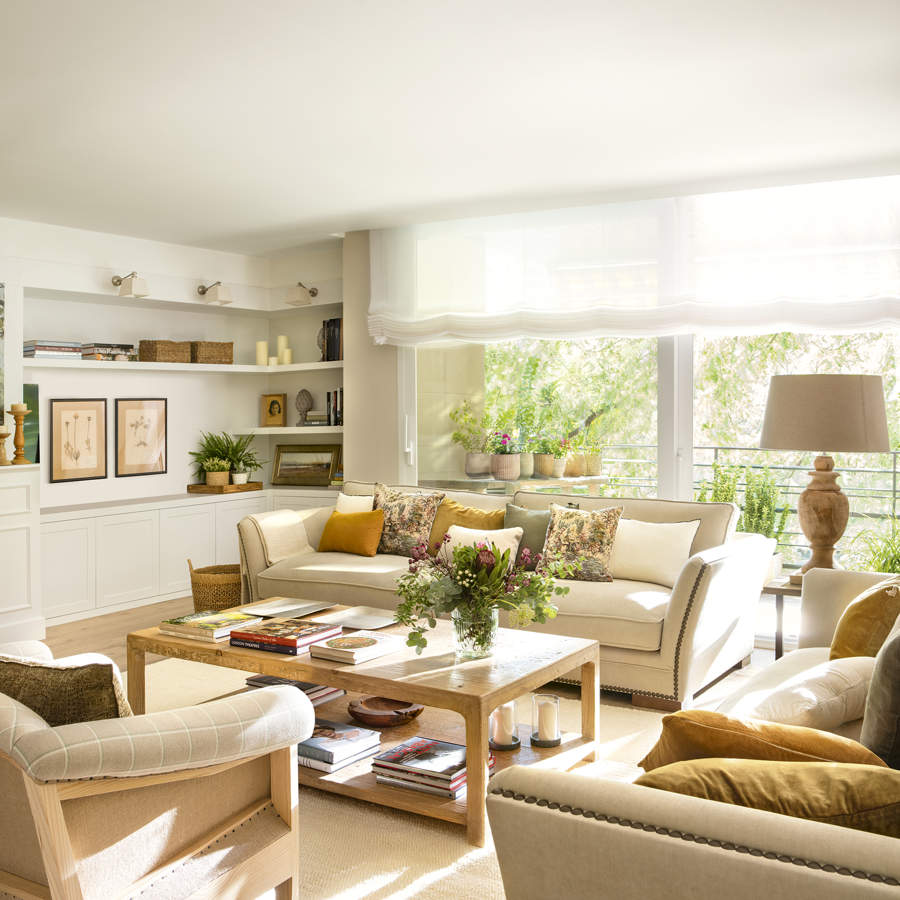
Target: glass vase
475,633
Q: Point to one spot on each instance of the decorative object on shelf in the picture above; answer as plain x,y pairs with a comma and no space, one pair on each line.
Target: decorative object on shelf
300,295
215,353
575,465
287,358
218,471
130,285
262,353
216,294
303,404
545,721
824,412
320,341
164,351
310,465
472,583
214,588
593,462
77,439
273,360
331,340
503,727
504,461
141,432
273,411
382,712
239,477
4,437
285,354
478,465
31,398
235,450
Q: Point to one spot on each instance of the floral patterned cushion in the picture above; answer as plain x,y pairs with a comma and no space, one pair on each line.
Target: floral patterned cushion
408,518
583,534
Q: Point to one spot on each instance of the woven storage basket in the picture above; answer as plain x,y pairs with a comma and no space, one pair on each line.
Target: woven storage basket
212,352
165,351
215,587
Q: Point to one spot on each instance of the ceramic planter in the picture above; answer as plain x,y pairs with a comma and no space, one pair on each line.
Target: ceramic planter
478,464
593,463
217,478
239,477
559,467
526,465
543,464
574,465
505,466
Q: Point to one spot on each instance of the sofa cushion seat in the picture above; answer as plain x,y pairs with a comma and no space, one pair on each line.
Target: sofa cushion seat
378,572
627,614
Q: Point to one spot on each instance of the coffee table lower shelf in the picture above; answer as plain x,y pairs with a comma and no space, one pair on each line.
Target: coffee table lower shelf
358,780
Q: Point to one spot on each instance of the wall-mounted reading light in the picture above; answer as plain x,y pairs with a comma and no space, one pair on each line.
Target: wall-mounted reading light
301,295
215,293
131,285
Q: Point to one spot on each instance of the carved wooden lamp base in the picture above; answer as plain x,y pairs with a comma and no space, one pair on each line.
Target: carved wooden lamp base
823,510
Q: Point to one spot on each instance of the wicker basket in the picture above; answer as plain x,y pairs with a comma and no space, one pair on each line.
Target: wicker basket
165,351
215,587
219,353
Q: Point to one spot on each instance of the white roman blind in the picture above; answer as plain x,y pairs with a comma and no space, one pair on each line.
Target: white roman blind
805,258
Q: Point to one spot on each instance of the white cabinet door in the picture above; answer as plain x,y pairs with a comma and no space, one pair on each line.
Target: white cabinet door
67,567
127,557
228,515
185,533
15,553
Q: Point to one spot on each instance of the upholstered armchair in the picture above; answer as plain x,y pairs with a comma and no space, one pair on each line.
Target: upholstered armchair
194,802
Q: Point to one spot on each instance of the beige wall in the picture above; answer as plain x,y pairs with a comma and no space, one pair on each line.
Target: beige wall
371,428
445,377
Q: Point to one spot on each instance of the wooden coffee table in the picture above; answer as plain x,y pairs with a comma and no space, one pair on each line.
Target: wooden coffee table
458,697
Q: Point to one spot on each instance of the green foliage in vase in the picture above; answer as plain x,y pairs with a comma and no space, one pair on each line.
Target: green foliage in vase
214,464
471,432
880,551
235,451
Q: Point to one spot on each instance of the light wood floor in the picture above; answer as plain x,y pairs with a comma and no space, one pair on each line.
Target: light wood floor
106,633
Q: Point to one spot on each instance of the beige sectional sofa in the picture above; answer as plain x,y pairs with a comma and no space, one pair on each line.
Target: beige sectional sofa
659,642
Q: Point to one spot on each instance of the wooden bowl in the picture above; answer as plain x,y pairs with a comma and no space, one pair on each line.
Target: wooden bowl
382,712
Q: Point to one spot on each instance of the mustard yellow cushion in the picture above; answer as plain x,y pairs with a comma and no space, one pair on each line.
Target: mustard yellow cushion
357,533
452,513
865,623
699,734
863,797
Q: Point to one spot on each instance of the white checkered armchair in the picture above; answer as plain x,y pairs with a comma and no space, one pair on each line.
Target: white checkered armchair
193,802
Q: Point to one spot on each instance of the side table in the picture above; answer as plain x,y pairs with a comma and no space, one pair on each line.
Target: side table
781,588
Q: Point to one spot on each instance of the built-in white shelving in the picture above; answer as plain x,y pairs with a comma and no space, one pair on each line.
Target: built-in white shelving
300,429
177,367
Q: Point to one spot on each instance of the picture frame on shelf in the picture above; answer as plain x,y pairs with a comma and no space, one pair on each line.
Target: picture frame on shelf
141,436
308,465
273,410
77,439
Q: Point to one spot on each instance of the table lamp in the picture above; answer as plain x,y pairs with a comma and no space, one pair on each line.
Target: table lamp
843,413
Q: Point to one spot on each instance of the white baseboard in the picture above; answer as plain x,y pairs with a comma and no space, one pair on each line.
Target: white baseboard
118,607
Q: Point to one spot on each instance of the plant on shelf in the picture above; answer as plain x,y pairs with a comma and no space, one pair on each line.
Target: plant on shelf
244,461
472,584
236,451
216,470
471,433
505,461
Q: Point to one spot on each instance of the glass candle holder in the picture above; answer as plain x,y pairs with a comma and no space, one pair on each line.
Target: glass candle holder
545,720
503,727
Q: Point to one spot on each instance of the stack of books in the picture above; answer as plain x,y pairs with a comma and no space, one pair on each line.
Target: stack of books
333,329
427,765
109,352
334,745
51,349
334,405
289,636
207,626
316,693
357,647
315,419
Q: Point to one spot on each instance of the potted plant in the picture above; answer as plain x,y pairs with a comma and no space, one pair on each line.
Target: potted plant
504,458
472,434
545,450
526,457
574,456
216,470
472,584
593,458
244,460
225,447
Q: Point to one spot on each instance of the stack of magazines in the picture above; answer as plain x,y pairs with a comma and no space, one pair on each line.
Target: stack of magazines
207,626
317,693
334,745
427,765
359,646
289,636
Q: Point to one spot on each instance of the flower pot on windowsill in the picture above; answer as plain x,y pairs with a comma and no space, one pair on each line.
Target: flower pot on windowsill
217,479
505,466
526,465
240,477
478,464
593,463
574,465
543,464
559,467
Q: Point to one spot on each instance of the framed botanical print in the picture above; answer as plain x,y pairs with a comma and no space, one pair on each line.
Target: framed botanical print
77,439
141,428
314,464
273,410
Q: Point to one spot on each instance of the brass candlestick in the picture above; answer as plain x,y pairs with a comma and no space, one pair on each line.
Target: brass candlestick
18,412
4,459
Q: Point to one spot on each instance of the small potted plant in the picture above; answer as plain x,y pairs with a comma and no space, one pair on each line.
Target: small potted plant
244,461
504,458
593,458
216,470
575,456
560,450
526,457
472,434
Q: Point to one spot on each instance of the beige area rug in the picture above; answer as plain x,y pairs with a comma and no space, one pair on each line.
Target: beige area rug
351,850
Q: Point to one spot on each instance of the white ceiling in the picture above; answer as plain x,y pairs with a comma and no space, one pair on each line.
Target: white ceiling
252,126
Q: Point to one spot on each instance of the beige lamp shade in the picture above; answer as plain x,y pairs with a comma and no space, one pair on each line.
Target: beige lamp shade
828,413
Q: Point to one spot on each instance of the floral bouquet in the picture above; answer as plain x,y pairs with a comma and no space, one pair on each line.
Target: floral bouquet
500,443
472,584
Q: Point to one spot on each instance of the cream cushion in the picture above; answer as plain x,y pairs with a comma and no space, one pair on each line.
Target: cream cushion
376,572
502,538
652,551
347,503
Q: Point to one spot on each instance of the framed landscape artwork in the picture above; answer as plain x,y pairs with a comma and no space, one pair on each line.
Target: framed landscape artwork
273,410
141,427
77,439
314,464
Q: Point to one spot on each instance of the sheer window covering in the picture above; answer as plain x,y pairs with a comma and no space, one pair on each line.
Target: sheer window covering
805,258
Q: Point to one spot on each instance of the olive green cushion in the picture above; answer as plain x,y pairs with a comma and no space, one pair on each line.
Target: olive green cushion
534,524
881,722
865,623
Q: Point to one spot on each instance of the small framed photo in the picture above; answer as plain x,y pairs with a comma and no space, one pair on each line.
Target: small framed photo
77,439
141,430
314,464
273,410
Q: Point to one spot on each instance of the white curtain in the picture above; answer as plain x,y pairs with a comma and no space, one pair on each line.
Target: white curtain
806,258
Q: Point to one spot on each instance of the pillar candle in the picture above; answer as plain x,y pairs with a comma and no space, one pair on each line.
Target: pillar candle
273,360
504,724
18,407
262,353
547,725
287,357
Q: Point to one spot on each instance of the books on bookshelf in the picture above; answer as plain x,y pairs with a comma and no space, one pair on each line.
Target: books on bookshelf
334,745
281,635
426,765
51,349
333,345
357,647
317,694
334,404
207,626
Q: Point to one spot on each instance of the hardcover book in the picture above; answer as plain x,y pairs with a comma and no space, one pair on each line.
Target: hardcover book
358,646
425,756
333,742
286,632
211,626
